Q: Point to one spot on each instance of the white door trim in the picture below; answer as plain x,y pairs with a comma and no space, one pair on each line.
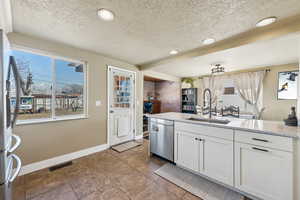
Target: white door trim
108,95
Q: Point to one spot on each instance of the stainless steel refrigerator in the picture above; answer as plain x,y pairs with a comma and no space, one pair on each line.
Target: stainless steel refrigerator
10,164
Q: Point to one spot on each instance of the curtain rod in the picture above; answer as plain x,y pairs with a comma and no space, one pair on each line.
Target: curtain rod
266,69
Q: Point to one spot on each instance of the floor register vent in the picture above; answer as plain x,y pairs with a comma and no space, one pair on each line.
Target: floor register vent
59,166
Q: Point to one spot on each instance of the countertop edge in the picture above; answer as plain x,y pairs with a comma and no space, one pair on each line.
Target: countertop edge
227,127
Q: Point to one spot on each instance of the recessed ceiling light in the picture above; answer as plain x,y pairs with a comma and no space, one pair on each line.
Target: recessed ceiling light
173,52
105,14
266,21
208,41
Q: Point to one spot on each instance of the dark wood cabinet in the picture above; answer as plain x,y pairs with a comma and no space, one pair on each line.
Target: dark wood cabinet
156,106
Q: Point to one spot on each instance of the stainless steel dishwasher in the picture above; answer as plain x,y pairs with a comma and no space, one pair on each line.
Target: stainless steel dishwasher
162,138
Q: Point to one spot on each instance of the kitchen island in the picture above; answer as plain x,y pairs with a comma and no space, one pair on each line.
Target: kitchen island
258,158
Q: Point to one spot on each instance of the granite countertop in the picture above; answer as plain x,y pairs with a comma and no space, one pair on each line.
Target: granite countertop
258,126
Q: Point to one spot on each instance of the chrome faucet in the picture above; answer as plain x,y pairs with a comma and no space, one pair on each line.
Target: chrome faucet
204,103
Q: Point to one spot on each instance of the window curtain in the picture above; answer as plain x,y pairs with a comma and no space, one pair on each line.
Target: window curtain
249,86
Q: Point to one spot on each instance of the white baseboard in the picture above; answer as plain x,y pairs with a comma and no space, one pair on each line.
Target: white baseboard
138,137
61,159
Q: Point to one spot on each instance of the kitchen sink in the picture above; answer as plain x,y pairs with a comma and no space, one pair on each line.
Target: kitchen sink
217,121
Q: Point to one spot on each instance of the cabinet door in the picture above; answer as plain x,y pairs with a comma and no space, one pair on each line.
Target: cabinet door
217,159
263,172
187,150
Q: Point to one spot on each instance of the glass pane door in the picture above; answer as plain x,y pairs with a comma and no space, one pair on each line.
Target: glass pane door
122,91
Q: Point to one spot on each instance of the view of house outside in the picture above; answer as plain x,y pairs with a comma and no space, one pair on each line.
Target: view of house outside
42,74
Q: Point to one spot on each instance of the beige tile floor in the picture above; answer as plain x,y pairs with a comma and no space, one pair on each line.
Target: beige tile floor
106,175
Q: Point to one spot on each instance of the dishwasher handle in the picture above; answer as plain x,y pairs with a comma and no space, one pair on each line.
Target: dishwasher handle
158,123
161,122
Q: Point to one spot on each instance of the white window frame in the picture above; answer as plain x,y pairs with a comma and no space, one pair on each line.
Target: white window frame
53,57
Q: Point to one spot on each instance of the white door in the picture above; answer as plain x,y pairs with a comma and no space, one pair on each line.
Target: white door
217,159
121,111
264,172
187,152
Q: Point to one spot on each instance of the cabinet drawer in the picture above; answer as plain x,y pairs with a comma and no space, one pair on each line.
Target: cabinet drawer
223,133
270,141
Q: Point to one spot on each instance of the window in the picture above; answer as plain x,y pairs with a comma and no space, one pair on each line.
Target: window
231,97
53,88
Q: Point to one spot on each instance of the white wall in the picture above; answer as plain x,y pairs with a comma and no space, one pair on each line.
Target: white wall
298,99
5,16
1,15
297,155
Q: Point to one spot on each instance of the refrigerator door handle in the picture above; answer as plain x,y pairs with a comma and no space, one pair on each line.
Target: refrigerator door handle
18,88
16,145
17,170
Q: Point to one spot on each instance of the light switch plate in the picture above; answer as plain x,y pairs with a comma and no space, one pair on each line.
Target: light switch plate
98,103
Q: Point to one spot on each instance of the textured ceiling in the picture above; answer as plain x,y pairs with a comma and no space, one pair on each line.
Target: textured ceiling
278,51
143,30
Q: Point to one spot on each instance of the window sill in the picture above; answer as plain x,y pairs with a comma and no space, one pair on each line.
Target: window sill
47,120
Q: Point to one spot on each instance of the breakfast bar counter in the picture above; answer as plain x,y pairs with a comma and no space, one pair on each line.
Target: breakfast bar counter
258,126
241,154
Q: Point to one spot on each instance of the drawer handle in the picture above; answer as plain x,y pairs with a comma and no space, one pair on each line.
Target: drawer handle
261,140
258,149
199,139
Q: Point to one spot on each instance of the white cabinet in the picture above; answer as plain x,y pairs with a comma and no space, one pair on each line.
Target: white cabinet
187,150
210,156
257,164
264,172
217,159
